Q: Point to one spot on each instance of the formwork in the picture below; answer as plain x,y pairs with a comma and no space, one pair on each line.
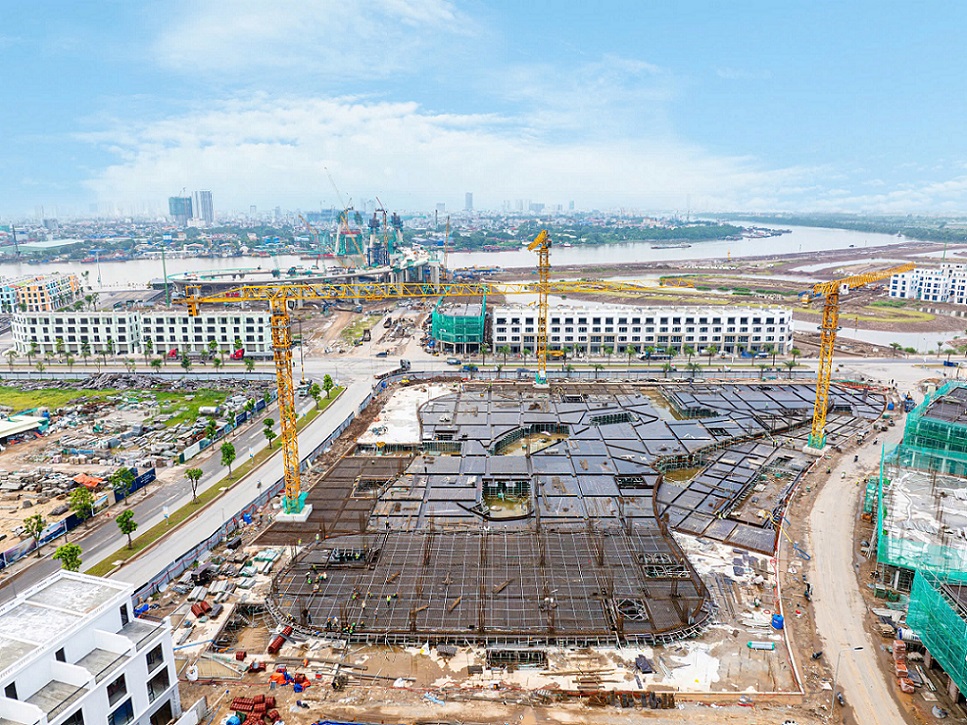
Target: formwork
935,434
459,325
938,613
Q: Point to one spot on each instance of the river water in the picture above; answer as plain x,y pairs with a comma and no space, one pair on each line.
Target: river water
800,239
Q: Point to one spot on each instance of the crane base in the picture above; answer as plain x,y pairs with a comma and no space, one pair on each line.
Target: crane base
818,452
299,518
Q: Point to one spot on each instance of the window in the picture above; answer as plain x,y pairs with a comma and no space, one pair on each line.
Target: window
10,691
76,718
157,685
122,715
60,656
116,690
163,715
124,614
155,657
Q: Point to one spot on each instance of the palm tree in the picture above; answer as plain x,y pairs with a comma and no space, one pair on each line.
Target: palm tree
148,348
608,352
70,362
790,364
505,351
939,347
156,363
40,366
762,371
667,368
111,348
598,367
484,351
568,369
630,351
59,346
672,352
524,353
689,351
217,362
34,348
710,351
499,367
11,356
649,351
774,351
85,350
795,352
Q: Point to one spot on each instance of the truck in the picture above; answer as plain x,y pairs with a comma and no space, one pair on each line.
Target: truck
238,354
404,364
951,364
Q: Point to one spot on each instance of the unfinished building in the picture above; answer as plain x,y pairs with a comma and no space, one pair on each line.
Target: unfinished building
509,516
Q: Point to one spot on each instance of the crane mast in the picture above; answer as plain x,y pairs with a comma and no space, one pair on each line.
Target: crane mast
830,291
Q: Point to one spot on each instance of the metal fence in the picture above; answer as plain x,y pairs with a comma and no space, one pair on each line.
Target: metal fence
159,374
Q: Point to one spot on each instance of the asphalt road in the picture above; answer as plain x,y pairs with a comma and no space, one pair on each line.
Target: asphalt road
104,539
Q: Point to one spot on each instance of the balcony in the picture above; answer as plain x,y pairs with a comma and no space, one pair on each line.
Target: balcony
140,631
55,697
100,662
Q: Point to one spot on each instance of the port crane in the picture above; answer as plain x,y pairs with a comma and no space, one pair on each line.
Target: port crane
830,291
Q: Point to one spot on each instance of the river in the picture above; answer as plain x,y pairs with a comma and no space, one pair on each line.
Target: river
800,239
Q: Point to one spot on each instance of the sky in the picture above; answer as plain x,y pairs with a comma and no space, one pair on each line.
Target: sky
621,105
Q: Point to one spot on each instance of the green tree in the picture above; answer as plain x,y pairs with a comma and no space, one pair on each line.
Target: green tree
85,350
505,351
194,476
608,352
59,347
568,369
70,362
81,502
212,347
121,481
270,435
34,348
148,348
217,362
127,525
11,356
672,352
597,367
771,350
185,362
711,351
111,348
69,556
156,363
228,456
795,352
249,364
250,406
630,351
130,364
328,384
688,351
667,368
524,353
211,429
484,352
762,371
790,365
34,526
238,343
40,366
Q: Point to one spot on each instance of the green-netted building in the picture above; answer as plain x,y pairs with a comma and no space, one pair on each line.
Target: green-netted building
459,327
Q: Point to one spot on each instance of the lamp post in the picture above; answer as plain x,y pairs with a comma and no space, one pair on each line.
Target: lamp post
832,697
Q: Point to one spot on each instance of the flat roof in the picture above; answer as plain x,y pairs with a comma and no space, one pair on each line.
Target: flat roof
19,424
50,610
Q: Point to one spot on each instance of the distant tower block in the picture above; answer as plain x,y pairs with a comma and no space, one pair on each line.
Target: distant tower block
468,201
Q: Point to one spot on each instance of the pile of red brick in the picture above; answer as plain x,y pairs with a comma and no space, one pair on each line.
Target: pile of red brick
200,609
258,710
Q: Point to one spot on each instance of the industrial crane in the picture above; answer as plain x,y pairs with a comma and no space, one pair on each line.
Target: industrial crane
278,296
831,291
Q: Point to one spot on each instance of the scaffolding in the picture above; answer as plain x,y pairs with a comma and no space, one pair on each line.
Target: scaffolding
938,613
935,435
459,327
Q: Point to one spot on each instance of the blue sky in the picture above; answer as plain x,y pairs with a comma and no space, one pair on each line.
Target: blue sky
753,106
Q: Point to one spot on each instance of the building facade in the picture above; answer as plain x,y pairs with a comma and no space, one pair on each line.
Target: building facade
203,207
128,332
590,330
947,283
180,209
40,293
72,652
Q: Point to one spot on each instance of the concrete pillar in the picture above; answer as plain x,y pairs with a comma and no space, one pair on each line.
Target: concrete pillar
953,692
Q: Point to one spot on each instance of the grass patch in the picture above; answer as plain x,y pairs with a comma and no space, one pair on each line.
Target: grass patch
354,330
895,304
25,399
146,539
896,316
184,410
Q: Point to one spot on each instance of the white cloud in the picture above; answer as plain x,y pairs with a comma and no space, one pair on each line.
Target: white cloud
272,151
313,39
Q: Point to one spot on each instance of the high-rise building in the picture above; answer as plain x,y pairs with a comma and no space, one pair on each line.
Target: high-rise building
179,209
441,207
468,201
203,207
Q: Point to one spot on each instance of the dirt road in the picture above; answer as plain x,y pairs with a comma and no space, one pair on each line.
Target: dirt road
838,605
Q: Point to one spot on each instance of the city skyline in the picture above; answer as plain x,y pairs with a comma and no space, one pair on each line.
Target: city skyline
818,107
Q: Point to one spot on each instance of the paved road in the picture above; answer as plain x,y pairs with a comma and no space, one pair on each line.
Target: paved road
104,539
840,611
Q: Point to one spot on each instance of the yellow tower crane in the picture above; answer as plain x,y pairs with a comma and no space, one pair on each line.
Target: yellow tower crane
279,296
831,291
542,245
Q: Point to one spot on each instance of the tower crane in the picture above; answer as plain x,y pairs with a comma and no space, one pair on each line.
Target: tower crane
831,291
279,296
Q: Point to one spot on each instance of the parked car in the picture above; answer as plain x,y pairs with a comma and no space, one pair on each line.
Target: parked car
454,361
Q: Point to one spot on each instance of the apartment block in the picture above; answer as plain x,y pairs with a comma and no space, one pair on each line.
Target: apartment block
39,293
947,283
592,329
72,652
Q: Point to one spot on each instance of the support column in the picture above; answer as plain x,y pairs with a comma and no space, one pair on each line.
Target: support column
927,660
952,690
